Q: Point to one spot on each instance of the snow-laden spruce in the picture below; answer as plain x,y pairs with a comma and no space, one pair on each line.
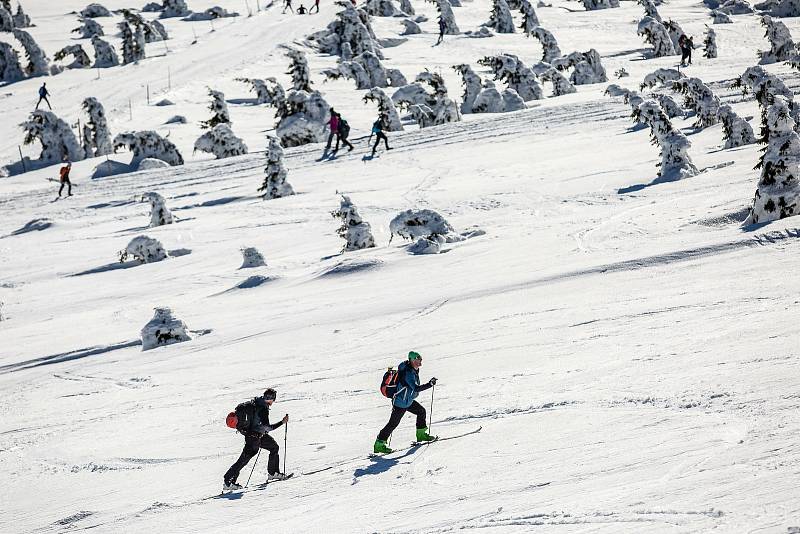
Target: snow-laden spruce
530,21
96,135
650,113
95,10
661,77
381,8
765,87
367,71
735,130
21,19
133,49
699,97
490,100
675,161
275,184
781,45
668,104
446,16
299,70
148,144
220,141
410,27
650,10
778,187
550,48
588,67
218,108
738,7
657,36
6,20
592,5
427,228
153,31
55,135
561,86
473,84
10,68
268,91
428,109
163,329
509,69
89,28
38,63
356,232
144,249
780,8
174,8
501,20
386,109
252,258
303,119
80,59
159,213
407,8
212,13
350,34
710,44
104,54
632,98
721,18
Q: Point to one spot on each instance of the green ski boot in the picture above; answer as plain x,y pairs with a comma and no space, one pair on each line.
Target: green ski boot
380,447
422,435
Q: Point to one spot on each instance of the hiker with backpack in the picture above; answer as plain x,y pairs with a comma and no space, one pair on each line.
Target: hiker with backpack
43,94
442,29
64,179
333,124
377,128
343,131
252,420
686,45
403,387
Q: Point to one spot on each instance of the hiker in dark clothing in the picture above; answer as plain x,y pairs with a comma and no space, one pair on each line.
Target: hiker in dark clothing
43,94
686,45
315,6
254,424
302,10
288,5
343,131
377,129
333,124
64,178
442,28
408,387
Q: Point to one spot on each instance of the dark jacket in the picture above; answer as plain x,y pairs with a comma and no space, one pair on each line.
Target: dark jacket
408,386
256,414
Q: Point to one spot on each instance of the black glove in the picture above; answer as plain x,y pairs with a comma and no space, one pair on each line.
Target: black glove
432,381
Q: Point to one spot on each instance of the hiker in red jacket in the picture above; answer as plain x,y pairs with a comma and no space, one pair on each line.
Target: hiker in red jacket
64,178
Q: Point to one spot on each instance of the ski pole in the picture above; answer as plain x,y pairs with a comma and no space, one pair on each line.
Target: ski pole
254,467
285,434
433,390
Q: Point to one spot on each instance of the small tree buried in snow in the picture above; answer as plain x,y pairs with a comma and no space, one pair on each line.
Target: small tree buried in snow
561,86
96,135
368,72
663,77
174,8
132,44
381,8
710,44
163,329
490,100
148,144
501,20
668,104
778,188
221,142
592,5
779,8
472,86
80,57
550,49
588,68
780,40
650,9
104,54
354,230
299,71
264,89
95,11
89,28
675,161
144,250
656,35
426,227
56,137
21,19
529,19
159,213
426,108
765,87
6,20
38,64
218,108
386,109
351,33
410,27
510,69
446,16
153,31
10,69
303,120
699,98
275,184
252,258
735,130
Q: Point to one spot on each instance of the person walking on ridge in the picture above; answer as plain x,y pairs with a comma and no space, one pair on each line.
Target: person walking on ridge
377,128
43,94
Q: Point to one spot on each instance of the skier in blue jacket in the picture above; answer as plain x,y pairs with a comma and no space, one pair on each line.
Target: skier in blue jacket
408,387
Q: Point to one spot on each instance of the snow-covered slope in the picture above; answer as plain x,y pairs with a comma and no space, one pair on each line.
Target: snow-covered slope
628,349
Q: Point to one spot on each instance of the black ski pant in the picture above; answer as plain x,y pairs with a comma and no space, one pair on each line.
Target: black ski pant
686,56
378,137
345,142
66,182
330,140
45,99
252,442
441,37
397,414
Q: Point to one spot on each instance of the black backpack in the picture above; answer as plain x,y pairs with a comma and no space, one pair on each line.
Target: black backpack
245,413
344,128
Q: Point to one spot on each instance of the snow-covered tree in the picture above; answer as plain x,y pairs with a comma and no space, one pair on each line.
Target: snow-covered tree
490,100
251,258
780,41
6,20
710,44
275,184
10,69
765,87
735,130
675,161
368,72
351,33
212,13
153,31
778,189
650,113
38,64
93,11
550,49
427,228
221,141
675,33
386,109
218,108
650,10
447,16
668,104
259,87
88,28
592,5
529,19
632,98
741,7
163,329
133,49
410,27
354,230
472,86
21,19
104,54
561,86
428,109
656,35
299,71
407,8
96,135
780,8
510,69
144,249
174,8
56,137
699,98
381,8
159,213
663,77
588,68
80,57
148,144
303,120
501,20
720,17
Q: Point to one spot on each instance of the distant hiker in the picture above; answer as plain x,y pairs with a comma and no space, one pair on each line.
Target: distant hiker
442,28
408,387
64,179
315,6
377,129
288,5
43,94
302,10
343,131
333,124
686,45
254,424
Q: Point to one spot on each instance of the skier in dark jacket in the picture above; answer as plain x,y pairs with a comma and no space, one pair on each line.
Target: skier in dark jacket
377,128
255,429
408,387
43,94
686,45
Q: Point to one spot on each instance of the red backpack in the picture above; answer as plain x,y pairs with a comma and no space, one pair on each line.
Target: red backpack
389,383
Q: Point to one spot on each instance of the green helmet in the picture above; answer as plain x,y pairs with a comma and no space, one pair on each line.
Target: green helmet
414,356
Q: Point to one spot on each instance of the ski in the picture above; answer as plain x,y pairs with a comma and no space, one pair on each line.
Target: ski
415,444
256,487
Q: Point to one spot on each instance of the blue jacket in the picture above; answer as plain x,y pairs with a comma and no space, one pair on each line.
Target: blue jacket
408,386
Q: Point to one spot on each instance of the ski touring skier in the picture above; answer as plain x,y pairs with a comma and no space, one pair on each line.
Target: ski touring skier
333,124
342,132
43,94
377,128
64,179
253,422
408,388
686,45
442,28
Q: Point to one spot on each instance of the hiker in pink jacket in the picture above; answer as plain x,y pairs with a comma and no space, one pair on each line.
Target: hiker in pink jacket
333,123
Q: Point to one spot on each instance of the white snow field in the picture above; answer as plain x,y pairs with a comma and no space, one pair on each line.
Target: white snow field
628,349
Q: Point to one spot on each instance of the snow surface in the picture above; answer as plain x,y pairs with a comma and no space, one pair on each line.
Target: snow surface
628,348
